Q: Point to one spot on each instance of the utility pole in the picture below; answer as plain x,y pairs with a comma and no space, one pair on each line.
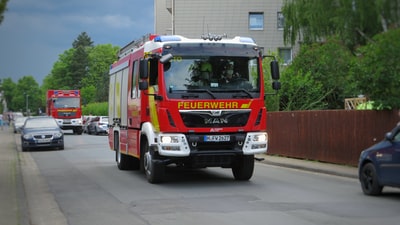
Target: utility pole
27,104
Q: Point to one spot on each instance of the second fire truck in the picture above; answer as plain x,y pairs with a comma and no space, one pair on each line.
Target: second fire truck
194,103
65,107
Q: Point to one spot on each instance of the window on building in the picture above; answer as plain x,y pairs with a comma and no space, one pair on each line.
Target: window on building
286,55
281,21
256,21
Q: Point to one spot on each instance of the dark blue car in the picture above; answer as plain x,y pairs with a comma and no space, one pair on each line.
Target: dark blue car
41,132
379,165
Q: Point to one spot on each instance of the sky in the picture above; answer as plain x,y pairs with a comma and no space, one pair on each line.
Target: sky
35,32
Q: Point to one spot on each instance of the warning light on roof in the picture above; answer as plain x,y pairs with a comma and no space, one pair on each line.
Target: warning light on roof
167,38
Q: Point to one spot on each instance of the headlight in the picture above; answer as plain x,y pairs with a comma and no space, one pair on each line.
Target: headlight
260,137
28,136
169,139
77,121
58,135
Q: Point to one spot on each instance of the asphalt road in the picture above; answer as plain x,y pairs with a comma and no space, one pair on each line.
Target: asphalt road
82,185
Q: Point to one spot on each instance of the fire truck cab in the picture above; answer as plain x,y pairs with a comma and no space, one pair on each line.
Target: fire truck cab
65,107
195,103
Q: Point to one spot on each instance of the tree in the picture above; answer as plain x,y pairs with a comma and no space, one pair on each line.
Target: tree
100,58
94,84
376,70
318,77
3,8
355,21
78,68
59,77
27,94
8,87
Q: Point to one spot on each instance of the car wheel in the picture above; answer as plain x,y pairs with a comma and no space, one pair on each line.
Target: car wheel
154,170
369,180
243,170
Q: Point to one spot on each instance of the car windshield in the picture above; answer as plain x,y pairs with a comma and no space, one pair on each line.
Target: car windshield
104,119
212,71
41,123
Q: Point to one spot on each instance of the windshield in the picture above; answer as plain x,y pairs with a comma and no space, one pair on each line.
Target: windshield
216,72
66,102
41,123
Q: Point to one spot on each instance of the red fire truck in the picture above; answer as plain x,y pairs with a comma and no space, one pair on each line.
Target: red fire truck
195,103
65,107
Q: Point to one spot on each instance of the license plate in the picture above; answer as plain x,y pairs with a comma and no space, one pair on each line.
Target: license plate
217,138
46,140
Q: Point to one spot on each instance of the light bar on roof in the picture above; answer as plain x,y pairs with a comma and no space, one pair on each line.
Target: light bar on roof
167,38
246,40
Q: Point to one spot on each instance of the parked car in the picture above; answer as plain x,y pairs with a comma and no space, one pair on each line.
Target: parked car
18,123
41,132
379,165
98,125
85,122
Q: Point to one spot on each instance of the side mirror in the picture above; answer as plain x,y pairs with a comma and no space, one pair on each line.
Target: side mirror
143,69
388,136
276,85
143,85
166,58
275,70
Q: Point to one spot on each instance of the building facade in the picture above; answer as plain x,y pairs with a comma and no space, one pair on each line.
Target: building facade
260,19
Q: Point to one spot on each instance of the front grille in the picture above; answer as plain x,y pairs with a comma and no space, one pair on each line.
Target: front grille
66,114
197,143
43,136
215,118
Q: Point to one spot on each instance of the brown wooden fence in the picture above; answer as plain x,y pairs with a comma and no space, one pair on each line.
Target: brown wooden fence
335,136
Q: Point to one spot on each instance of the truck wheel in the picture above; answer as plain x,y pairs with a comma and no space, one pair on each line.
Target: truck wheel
79,131
154,170
244,167
124,162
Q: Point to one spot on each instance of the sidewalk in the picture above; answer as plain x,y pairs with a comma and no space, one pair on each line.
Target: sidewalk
312,166
12,194
24,195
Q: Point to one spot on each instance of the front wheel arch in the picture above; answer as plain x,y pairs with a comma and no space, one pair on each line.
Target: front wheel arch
153,169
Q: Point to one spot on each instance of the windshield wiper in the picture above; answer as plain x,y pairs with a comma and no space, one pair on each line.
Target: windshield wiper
201,91
248,94
193,91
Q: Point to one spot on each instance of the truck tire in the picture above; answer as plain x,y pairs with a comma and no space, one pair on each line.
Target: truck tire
153,169
244,167
124,162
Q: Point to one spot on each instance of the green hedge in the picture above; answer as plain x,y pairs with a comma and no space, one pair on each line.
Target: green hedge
98,109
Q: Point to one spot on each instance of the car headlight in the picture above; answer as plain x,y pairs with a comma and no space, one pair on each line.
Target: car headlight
28,136
58,135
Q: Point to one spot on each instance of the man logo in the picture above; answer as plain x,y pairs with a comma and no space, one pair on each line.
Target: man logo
216,112
216,121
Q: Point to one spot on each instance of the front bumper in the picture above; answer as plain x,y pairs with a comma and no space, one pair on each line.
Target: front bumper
181,145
